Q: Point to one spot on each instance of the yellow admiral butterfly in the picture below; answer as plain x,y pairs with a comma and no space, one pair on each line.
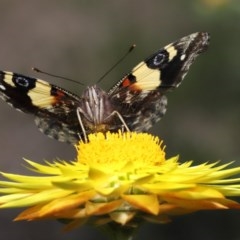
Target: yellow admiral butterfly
135,103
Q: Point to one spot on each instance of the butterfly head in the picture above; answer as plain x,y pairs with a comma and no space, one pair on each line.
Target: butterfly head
95,107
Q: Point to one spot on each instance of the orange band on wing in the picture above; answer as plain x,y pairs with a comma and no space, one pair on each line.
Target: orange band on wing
126,82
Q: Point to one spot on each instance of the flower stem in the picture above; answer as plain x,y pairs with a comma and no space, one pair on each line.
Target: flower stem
116,231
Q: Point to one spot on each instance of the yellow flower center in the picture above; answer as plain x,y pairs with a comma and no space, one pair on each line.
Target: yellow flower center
116,151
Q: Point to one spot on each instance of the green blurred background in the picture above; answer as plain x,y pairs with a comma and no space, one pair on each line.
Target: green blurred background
81,40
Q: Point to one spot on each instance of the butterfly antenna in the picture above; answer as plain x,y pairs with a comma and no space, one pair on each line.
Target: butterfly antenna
119,61
56,76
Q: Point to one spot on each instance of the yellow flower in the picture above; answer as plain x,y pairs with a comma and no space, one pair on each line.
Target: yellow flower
119,178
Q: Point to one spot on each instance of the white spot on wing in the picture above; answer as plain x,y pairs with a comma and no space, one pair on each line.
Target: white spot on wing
183,57
2,87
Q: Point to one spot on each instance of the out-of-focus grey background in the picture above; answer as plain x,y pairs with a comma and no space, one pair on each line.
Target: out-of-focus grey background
81,40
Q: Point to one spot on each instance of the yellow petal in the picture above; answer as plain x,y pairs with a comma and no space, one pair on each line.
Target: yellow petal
148,203
102,208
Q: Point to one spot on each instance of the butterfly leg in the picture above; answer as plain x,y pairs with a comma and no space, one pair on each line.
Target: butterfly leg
124,125
81,125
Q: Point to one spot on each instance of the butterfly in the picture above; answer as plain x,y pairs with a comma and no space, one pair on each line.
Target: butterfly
135,103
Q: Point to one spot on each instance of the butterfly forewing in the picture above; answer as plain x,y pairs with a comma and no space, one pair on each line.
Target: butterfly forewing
54,107
140,96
